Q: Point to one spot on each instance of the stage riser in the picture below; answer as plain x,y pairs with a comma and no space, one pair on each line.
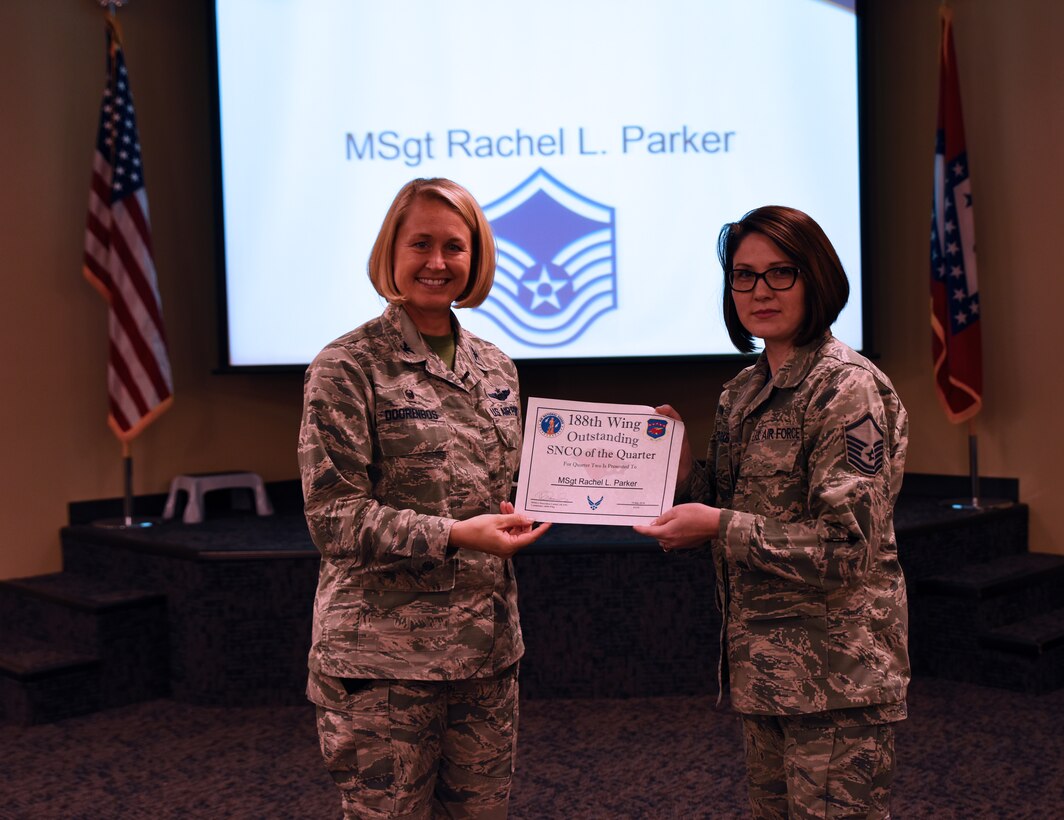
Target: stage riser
965,620
46,620
953,613
592,634
987,667
239,631
616,619
61,695
1035,676
613,625
926,550
89,648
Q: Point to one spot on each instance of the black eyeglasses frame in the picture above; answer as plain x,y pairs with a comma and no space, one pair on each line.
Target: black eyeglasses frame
764,277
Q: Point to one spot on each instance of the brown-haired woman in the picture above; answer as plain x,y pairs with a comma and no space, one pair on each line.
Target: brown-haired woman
797,497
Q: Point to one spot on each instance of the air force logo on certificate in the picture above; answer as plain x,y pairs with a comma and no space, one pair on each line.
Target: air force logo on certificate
585,463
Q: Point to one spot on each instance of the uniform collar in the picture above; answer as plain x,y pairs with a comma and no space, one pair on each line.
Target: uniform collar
758,386
411,346
801,361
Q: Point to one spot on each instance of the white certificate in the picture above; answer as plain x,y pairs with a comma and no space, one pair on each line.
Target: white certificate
586,463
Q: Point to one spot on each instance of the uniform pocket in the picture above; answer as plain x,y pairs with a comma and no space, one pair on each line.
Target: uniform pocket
407,579
487,709
413,438
769,457
415,467
352,686
766,597
785,648
783,630
357,747
509,432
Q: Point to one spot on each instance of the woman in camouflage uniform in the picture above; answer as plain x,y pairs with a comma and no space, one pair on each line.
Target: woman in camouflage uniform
803,471
410,438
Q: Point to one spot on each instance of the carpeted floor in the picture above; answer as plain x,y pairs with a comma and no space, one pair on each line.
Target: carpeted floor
965,752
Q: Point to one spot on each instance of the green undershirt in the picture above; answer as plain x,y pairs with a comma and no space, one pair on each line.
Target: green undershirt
442,346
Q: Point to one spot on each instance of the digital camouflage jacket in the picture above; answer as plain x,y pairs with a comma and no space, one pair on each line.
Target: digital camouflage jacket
393,448
807,466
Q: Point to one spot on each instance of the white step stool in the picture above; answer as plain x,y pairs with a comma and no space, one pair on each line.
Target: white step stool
197,484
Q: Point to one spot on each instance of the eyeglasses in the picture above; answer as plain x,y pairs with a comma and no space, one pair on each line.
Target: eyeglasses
776,278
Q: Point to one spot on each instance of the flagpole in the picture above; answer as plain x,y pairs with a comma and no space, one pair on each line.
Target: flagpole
975,501
973,462
127,521
127,498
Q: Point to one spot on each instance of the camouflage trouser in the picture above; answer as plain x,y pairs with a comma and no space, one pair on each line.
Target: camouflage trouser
796,768
420,749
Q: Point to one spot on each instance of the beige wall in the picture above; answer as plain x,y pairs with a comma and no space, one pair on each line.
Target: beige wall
56,447
1012,81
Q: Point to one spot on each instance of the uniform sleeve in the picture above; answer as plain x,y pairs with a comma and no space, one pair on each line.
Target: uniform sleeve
336,446
854,437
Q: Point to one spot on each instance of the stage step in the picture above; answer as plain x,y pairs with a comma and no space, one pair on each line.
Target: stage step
1033,637
1027,655
1000,576
64,607
68,637
995,623
1001,591
40,683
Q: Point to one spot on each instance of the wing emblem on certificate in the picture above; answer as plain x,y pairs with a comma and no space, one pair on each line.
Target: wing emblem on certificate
585,463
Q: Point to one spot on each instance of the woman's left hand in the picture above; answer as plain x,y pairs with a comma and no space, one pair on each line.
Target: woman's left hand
686,461
683,527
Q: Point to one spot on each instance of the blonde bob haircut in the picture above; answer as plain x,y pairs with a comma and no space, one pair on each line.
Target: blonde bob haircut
482,263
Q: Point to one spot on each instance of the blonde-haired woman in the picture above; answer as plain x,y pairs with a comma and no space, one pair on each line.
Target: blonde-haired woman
410,438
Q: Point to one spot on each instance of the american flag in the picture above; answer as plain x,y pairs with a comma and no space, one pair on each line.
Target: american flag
118,260
956,339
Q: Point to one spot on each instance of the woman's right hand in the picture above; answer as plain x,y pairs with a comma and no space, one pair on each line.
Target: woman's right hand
686,460
683,527
503,534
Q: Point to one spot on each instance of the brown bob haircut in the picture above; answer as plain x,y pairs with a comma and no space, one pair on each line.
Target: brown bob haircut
805,244
482,263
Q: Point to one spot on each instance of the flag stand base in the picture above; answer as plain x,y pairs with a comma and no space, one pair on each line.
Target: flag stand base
976,503
125,523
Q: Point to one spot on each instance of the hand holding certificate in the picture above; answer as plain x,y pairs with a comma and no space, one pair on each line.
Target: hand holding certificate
586,463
